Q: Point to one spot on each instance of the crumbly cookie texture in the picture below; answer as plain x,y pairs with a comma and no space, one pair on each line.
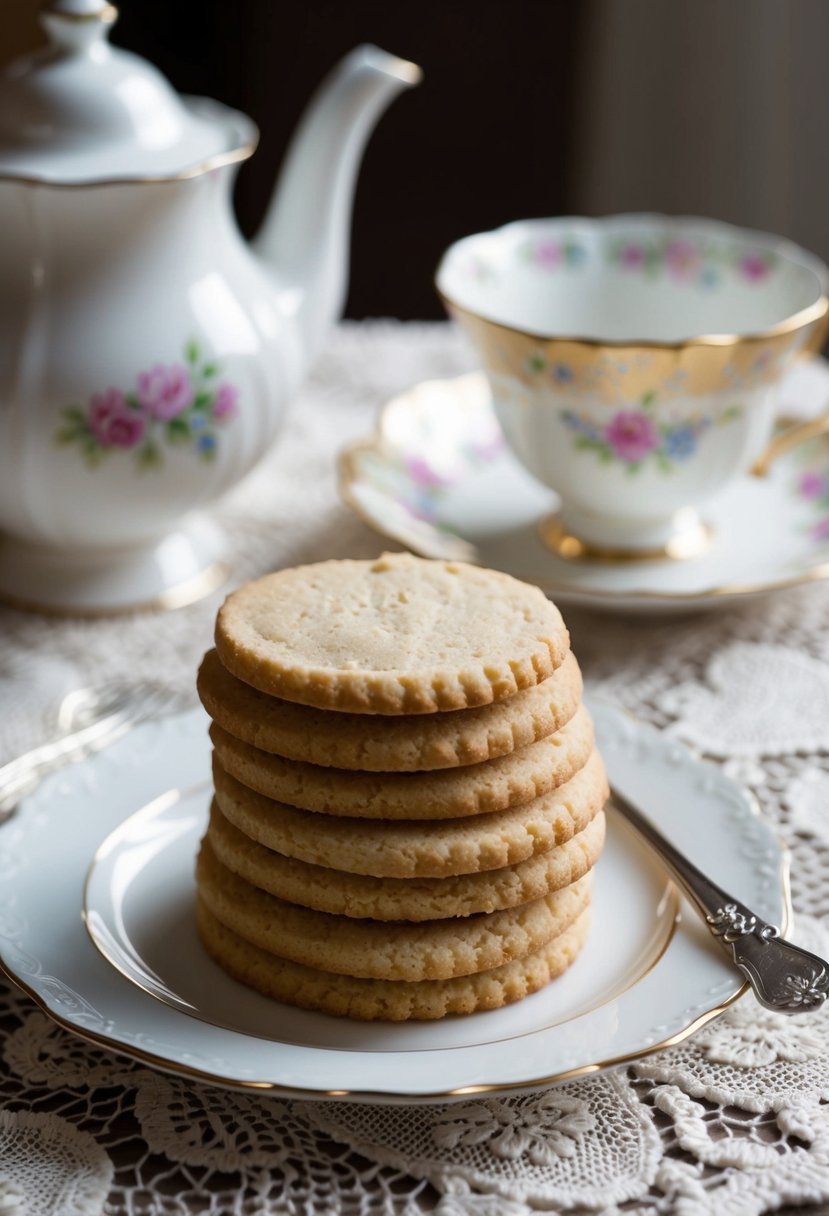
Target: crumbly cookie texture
421,848
399,635
432,950
443,794
388,1000
376,743
409,899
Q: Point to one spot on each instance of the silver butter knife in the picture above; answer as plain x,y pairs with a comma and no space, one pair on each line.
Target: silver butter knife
784,977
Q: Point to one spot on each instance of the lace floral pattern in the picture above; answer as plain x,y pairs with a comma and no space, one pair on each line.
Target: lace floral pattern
733,1122
48,1167
541,1129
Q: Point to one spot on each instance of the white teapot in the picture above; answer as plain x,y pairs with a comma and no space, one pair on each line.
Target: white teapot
146,352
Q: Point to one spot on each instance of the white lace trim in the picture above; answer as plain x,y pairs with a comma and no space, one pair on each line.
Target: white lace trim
588,1143
50,1168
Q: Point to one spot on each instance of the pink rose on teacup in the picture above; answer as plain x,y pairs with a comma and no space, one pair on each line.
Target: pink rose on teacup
681,258
754,266
112,422
812,485
632,257
631,435
165,391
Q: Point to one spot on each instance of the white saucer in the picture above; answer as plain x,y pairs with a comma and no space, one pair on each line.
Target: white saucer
642,982
437,478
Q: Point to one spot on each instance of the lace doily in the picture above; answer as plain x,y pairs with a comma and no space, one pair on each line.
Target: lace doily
735,1121
48,1167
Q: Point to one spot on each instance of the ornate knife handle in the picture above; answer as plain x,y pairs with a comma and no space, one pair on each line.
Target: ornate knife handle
783,976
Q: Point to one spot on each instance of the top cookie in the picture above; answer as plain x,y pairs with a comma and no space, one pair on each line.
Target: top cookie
399,635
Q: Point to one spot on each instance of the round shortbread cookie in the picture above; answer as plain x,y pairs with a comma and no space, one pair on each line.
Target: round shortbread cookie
398,635
410,899
373,743
432,950
441,794
388,1000
421,848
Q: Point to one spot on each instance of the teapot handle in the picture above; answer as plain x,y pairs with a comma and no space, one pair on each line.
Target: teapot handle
797,433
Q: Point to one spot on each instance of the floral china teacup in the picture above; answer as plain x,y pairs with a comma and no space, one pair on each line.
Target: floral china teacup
634,362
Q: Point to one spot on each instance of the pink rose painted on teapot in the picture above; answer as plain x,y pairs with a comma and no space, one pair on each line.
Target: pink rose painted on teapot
165,392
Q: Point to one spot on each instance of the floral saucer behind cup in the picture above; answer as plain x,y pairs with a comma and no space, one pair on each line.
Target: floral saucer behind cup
634,363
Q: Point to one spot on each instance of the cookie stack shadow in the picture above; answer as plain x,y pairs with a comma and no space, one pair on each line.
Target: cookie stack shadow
399,866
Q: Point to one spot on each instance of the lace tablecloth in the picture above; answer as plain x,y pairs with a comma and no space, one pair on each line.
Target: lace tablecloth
731,1122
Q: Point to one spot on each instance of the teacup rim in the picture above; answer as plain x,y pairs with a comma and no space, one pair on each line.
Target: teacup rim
782,246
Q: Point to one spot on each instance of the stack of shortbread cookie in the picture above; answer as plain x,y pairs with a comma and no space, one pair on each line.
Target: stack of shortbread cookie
408,802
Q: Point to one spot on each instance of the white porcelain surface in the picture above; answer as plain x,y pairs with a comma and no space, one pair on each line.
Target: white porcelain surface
80,109
613,348
146,352
187,563
439,479
622,998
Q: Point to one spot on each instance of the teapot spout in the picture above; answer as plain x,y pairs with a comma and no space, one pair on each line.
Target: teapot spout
305,234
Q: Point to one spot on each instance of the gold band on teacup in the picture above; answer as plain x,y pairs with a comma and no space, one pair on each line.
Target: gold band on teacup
613,372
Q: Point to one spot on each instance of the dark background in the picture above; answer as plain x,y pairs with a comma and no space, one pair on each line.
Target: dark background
425,179
528,107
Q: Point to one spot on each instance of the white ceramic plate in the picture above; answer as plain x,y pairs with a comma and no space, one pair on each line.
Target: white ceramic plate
438,478
119,832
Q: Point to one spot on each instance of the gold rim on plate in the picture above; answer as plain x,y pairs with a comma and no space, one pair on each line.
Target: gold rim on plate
670,895
389,1097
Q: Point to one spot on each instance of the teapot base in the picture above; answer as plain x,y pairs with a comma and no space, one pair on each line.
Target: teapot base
176,569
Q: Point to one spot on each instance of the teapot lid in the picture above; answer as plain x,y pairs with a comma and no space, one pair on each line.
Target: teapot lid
81,111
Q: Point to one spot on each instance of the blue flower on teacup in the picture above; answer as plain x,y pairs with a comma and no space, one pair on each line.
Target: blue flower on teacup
681,443
574,254
562,373
583,426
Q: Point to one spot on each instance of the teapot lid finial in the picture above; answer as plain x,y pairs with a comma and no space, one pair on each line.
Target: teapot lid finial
81,111
76,25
